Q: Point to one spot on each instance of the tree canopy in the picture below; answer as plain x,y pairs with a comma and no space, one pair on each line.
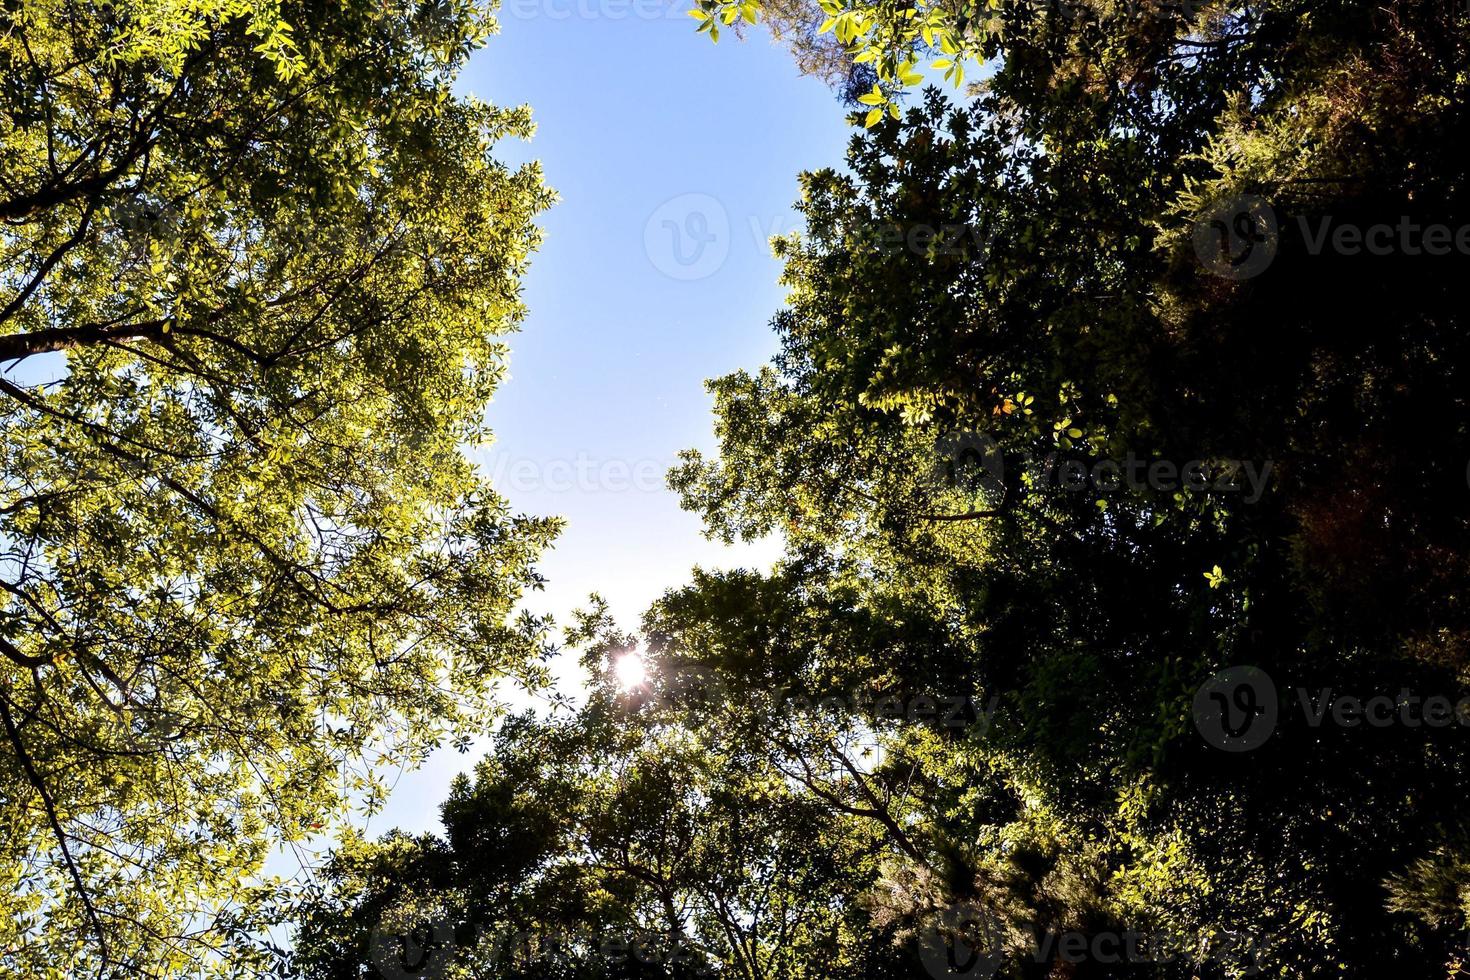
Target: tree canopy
618,842
255,266
1134,370
987,676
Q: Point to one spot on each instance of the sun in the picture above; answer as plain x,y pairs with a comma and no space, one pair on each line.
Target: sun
631,671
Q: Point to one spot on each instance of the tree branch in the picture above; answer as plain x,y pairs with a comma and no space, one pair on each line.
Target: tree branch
18,346
34,777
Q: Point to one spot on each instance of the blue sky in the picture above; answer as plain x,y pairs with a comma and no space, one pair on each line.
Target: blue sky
675,160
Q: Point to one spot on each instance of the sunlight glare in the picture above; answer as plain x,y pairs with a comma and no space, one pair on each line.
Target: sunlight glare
630,670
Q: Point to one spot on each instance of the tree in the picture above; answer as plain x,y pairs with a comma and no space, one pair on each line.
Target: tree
617,841
990,290
256,261
797,24
1036,277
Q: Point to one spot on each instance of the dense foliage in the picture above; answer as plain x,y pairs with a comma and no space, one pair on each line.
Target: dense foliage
619,842
1086,320
254,264
255,260
985,289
